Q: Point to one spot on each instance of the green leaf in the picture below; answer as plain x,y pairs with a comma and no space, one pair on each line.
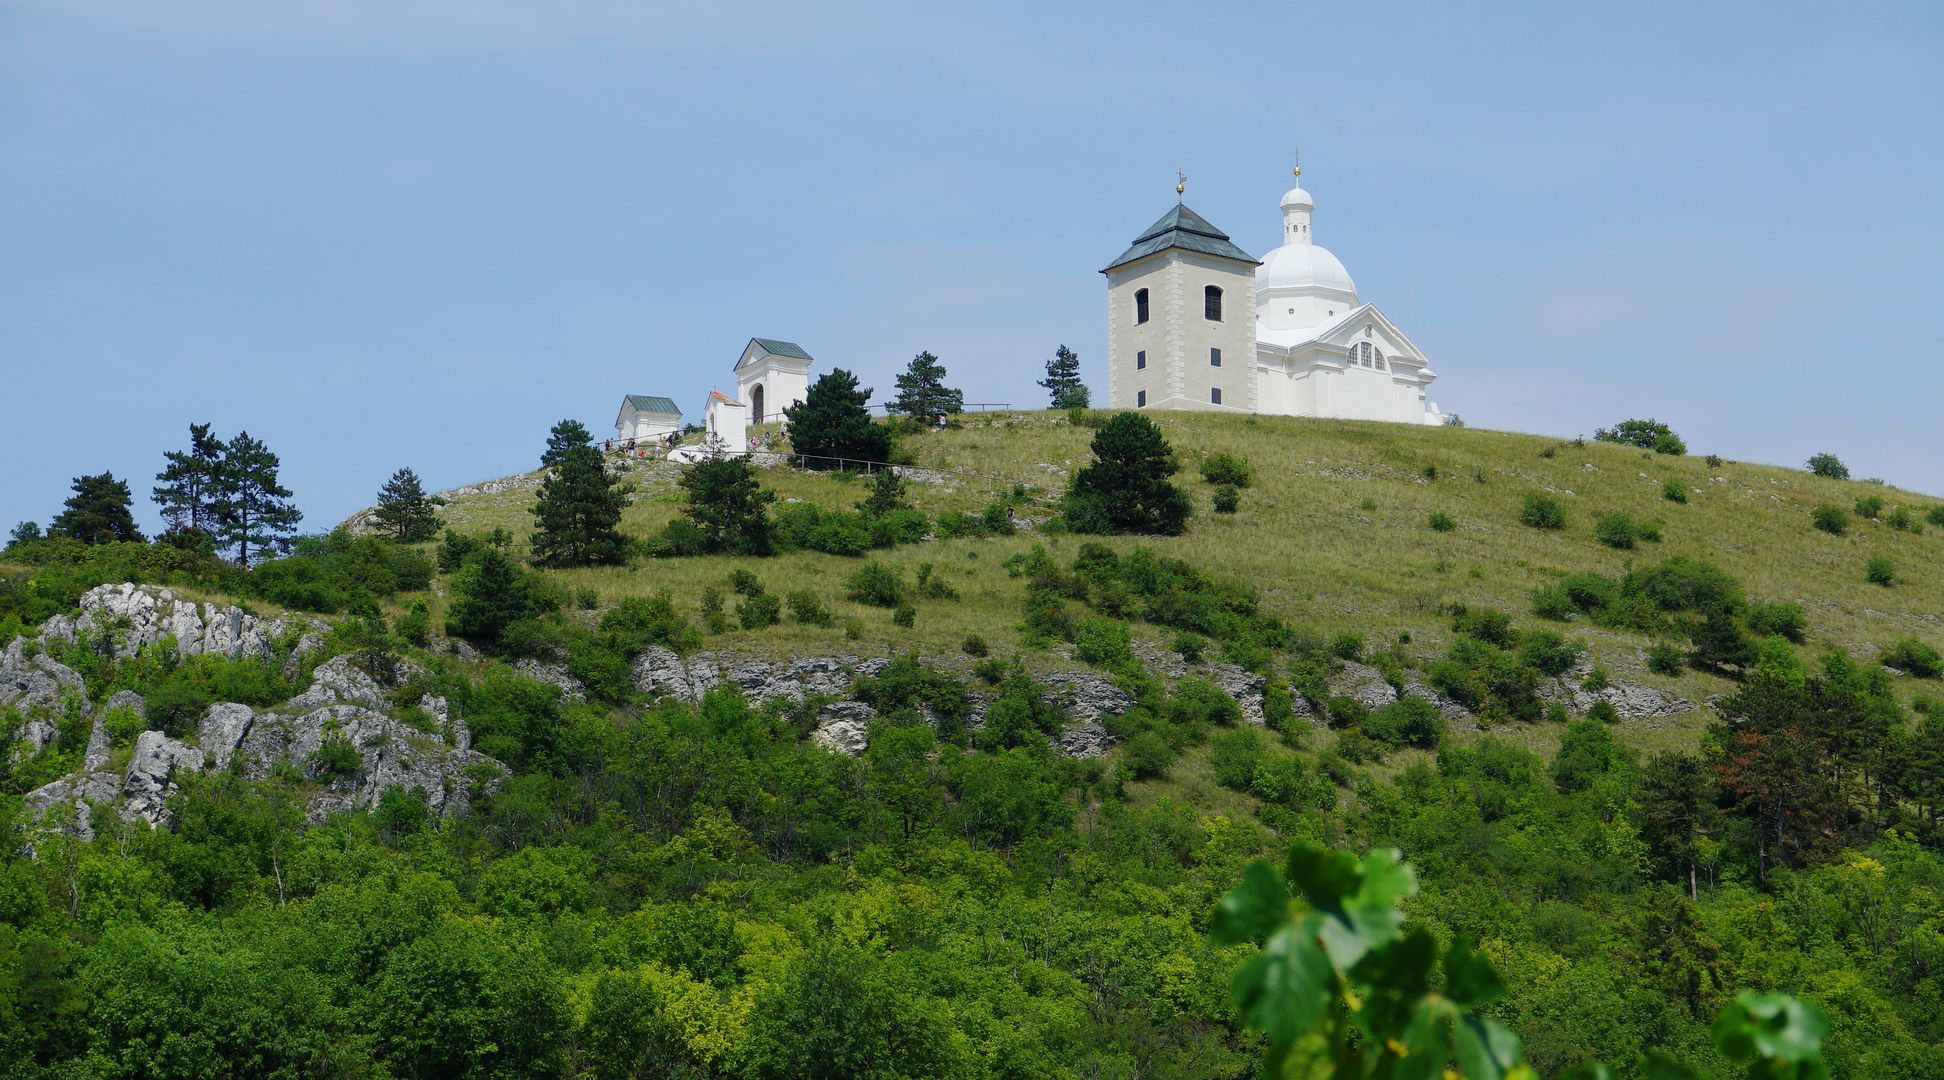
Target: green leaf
1485,1050
1770,1027
1283,990
1469,977
1324,876
1254,909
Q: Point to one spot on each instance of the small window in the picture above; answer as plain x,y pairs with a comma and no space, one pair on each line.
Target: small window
1140,400
1212,304
1215,395
1140,306
1214,358
1140,360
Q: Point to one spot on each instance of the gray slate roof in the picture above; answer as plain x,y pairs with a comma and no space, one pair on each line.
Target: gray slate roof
782,348
651,404
1182,228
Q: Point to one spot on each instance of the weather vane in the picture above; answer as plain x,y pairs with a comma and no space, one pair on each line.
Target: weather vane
1181,182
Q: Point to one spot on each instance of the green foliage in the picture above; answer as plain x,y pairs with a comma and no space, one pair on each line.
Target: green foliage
251,513
1616,530
415,626
1783,619
335,760
1829,465
404,510
1227,470
922,392
807,609
1227,500
339,571
1542,512
1062,380
1879,571
578,512
1407,721
1646,434
189,484
1665,659
727,511
98,512
1830,519
833,422
887,494
803,527
562,440
1902,520
756,612
1869,507
1125,489
1935,515
490,594
1912,657
1439,521
1675,491
878,585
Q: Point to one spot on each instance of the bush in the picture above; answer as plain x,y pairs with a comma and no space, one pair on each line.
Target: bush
1646,434
1190,648
1551,602
877,585
1870,507
1665,659
1829,465
1148,756
1913,657
905,615
974,646
1227,470
1616,531
1902,520
1441,521
1830,519
1880,571
1547,652
1227,499
1935,515
1346,646
415,626
335,759
805,608
1542,512
491,594
756,612
1604,712
1675,491
726,511
1485,624
933,586
1408,721
1778,619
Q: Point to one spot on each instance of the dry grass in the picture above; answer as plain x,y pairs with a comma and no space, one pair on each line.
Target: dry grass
1333,535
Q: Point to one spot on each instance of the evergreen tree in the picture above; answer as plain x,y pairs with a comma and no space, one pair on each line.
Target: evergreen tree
728,506
97,512
1677,814
922,391
1125,489
565,436
1063,380
832,422
251,512
24,533
404,510
887,494
489,594
191,481
579,511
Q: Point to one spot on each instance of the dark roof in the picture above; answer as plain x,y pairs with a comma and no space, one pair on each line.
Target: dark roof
1182,228
651,404
782,348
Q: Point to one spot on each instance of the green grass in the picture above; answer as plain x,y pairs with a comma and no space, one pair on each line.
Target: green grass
1332,535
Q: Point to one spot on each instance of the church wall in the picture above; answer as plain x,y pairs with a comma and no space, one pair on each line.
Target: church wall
1125,337
1178,336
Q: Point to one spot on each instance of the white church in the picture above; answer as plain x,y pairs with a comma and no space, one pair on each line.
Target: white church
1195,322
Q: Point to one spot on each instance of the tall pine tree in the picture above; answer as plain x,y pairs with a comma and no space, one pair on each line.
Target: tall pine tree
252,512
97,512
1063,380
404,510
1125,489
922,391
188,485
579,510
832,422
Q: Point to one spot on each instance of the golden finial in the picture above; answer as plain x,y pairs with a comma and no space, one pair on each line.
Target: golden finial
1181,182
1298,155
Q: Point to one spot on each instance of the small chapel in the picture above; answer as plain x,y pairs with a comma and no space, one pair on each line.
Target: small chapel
1195,322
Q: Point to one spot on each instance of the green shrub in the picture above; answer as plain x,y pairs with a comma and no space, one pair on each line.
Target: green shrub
805,608
877,585
1542,512
1104,643
745,583
1783,619
1548,652
1441,521
1935,515
1551,602
1616,531
1125,489
1648,530
1485,624
853,629
1346,646
1902,520
1880,571
415,626
1227,470
974,646
1830,519
756,612
1190,647
713,617
1665,659
335,759
1870,507
1408,721
932,585
1646,434
1913,657
1604,712
1227,499
587,599
637,622
904,614
1148,756
1829,465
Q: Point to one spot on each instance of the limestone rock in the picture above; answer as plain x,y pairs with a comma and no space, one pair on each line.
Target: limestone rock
35,682
843,727
1086,739
553,675
1455,714
1086,696
1363,683
124,619
99,739
1630,700
222,730
1242,685
77,791
153,773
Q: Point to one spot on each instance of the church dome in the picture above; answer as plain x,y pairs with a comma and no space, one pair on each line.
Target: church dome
1304,266
1296,198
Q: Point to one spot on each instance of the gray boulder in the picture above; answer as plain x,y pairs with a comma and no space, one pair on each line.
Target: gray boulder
844,727
1242,685
124,619
553,675
37,681
99,739
153,774
1363,683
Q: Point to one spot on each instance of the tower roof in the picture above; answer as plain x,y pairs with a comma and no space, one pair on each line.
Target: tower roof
1182,228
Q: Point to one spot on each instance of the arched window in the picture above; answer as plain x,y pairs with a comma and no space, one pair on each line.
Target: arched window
1212,304
1140,306
1364,354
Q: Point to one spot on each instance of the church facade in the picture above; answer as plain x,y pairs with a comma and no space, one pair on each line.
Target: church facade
1195,322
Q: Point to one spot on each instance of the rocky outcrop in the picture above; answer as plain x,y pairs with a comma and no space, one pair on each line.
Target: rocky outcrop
1088,699
844,726
123,619
32,681
661,673
100,738
1242,685
555,675
1363,684
1630,700
153,774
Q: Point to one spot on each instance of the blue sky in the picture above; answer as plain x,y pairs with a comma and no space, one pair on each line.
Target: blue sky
378,233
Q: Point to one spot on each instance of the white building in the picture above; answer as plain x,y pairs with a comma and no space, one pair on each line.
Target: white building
1195,322
645,417
727,423
771,376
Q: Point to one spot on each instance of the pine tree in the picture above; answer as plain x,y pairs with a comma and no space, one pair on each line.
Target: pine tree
1063,380
1125,489
489,594
922,391
579,511
189,483
832,422
25,532
565,436
728,506
97,512
251,512
404,510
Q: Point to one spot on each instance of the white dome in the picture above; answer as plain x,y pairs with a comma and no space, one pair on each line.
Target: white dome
1303,266
1297,199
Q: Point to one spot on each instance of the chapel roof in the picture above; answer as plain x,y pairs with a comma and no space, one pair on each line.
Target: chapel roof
1182,228
650,403
782,348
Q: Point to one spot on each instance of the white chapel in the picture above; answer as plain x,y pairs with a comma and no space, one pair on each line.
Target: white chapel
1195,322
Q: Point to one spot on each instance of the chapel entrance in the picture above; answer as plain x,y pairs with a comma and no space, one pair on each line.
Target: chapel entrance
756,403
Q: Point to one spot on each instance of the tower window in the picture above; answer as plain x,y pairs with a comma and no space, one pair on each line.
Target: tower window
1140,400
1140,306
1215,395
1212,304
1214,358
1140,360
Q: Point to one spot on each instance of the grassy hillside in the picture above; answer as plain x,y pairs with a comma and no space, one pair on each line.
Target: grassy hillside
1334,536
